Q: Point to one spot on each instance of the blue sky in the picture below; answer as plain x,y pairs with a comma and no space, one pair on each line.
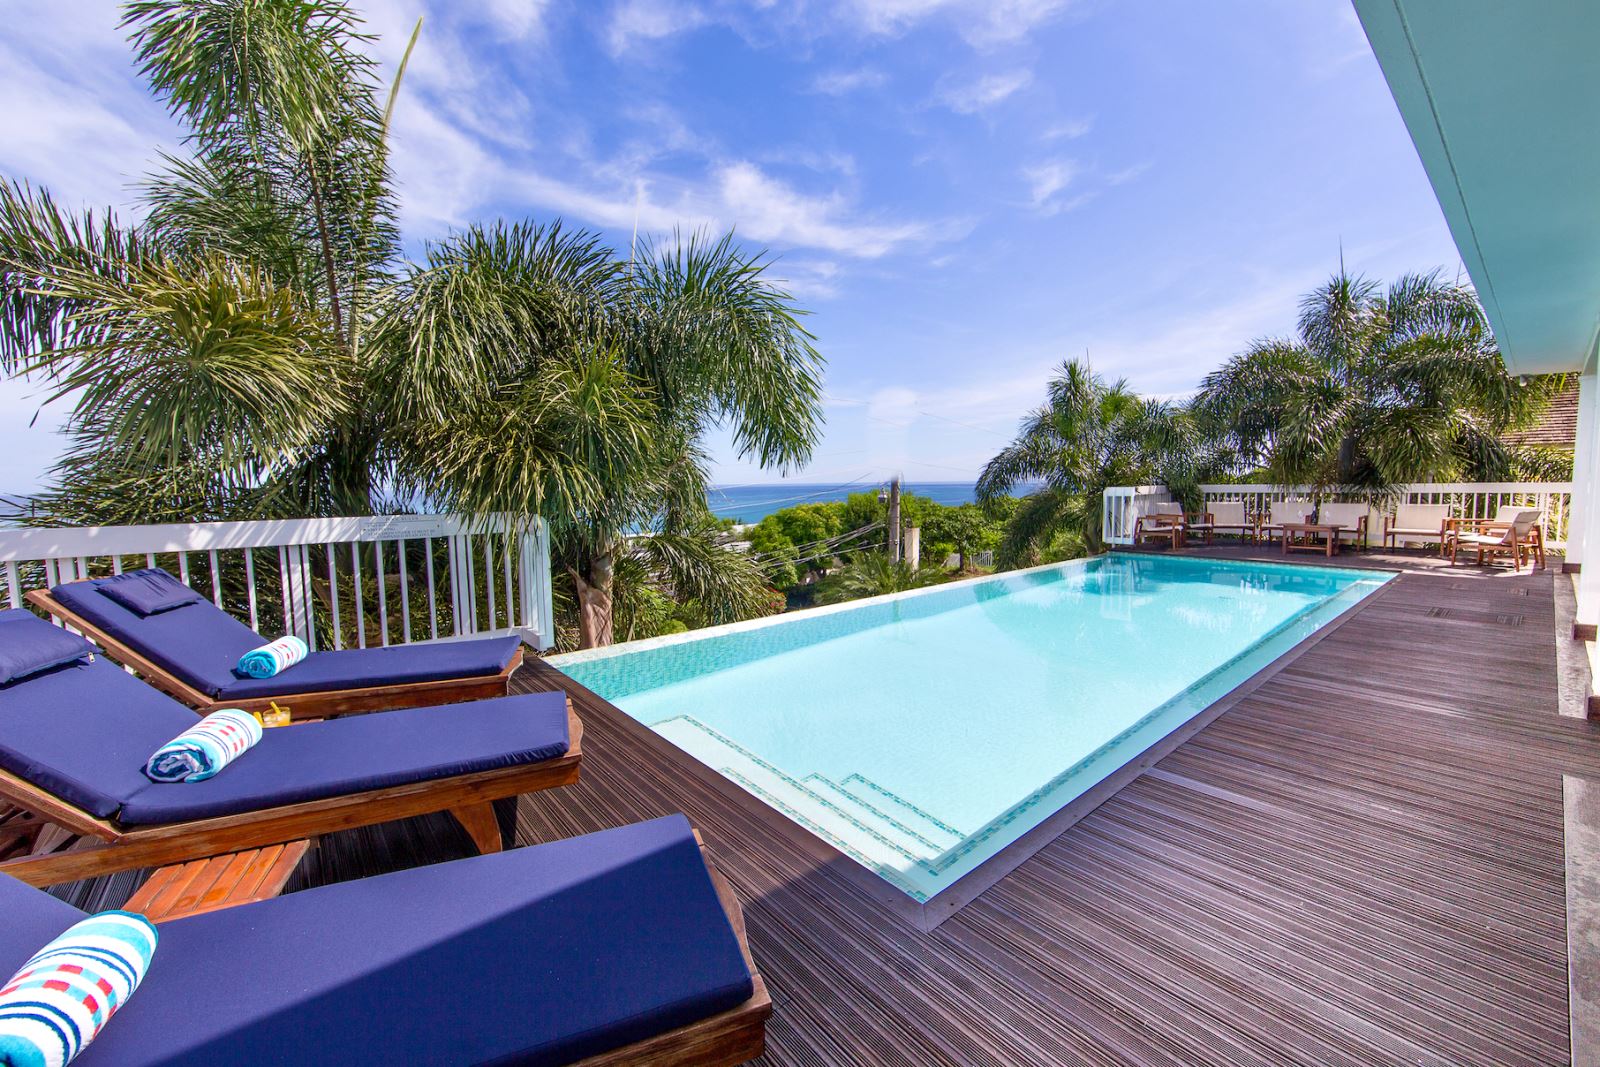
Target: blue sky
962,192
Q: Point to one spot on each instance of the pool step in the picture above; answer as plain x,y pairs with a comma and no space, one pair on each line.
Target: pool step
845,828
927,826
880,820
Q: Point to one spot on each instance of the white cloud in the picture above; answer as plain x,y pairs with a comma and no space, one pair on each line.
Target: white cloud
834,162
1126,174
984,23
1171,350
986,92
841,82
769,210
76,120
894,406
34,437
520,18
440,171
635,21
1068,130
1047,179
814,279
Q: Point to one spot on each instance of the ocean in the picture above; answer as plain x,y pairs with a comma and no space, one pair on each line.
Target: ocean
752,503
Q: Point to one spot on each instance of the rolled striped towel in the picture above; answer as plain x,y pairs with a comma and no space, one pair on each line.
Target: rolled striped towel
62,997
273,658
205,748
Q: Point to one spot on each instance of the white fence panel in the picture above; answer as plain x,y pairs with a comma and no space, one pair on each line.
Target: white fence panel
1469,500
1122,507
337,582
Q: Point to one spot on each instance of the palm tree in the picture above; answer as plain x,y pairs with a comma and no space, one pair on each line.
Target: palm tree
602,378
1089,435
874,574
1379,388
256,347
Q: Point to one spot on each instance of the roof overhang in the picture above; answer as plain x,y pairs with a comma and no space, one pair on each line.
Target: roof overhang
1502,100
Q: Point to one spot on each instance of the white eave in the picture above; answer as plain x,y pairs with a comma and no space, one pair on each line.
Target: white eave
1502,99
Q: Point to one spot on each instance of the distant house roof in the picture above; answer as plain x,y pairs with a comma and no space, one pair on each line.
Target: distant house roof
1558,426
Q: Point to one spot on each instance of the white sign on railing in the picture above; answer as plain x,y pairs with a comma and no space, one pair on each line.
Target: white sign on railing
1469,500
380,579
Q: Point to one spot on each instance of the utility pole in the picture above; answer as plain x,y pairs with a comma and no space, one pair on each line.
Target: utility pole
894,520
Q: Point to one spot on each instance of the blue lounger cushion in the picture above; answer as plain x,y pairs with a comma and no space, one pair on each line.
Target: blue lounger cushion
537,956
356,668
350,755
83,731
202,644
32,917
28,649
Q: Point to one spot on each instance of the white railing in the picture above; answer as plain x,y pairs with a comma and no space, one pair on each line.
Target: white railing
1470,500
1123,505
338,582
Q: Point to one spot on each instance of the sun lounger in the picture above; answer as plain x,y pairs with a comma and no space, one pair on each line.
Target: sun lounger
191,653
1195,523
1159,527
74,740
619,947
1513,532
1422,523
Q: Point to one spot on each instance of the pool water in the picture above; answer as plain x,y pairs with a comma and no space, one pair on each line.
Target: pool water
921,733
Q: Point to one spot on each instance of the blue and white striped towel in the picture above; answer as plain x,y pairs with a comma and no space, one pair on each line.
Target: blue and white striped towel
62,997
205,748
274,658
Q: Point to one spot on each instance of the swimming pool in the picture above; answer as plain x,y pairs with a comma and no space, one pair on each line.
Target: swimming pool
921,733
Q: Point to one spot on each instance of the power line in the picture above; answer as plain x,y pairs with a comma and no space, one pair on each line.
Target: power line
789,499
833,545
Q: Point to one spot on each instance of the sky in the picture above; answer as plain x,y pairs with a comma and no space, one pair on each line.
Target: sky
961,193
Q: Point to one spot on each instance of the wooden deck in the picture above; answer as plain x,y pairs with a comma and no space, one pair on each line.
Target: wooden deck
1360,863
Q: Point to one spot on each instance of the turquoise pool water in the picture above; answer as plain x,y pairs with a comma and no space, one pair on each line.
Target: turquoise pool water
921,733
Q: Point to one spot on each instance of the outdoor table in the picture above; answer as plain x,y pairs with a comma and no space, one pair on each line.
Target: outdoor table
1302,537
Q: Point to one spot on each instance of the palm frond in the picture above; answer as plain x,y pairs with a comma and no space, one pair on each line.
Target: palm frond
38,242
205,357
723,344
694,567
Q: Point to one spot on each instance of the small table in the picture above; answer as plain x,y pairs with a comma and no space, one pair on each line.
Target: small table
1302,537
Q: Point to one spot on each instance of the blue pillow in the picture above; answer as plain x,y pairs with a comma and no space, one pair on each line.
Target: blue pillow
29,645
147,592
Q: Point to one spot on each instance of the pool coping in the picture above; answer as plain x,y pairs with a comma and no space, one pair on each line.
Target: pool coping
790,618
927,916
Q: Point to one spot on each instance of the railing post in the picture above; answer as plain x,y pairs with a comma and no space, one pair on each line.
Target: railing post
458,587
296,591
543,619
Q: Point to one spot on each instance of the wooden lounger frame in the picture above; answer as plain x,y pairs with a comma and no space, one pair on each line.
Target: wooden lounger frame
107,846
300,705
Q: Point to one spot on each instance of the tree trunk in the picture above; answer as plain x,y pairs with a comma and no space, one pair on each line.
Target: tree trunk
1347,460
594,602
327,251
